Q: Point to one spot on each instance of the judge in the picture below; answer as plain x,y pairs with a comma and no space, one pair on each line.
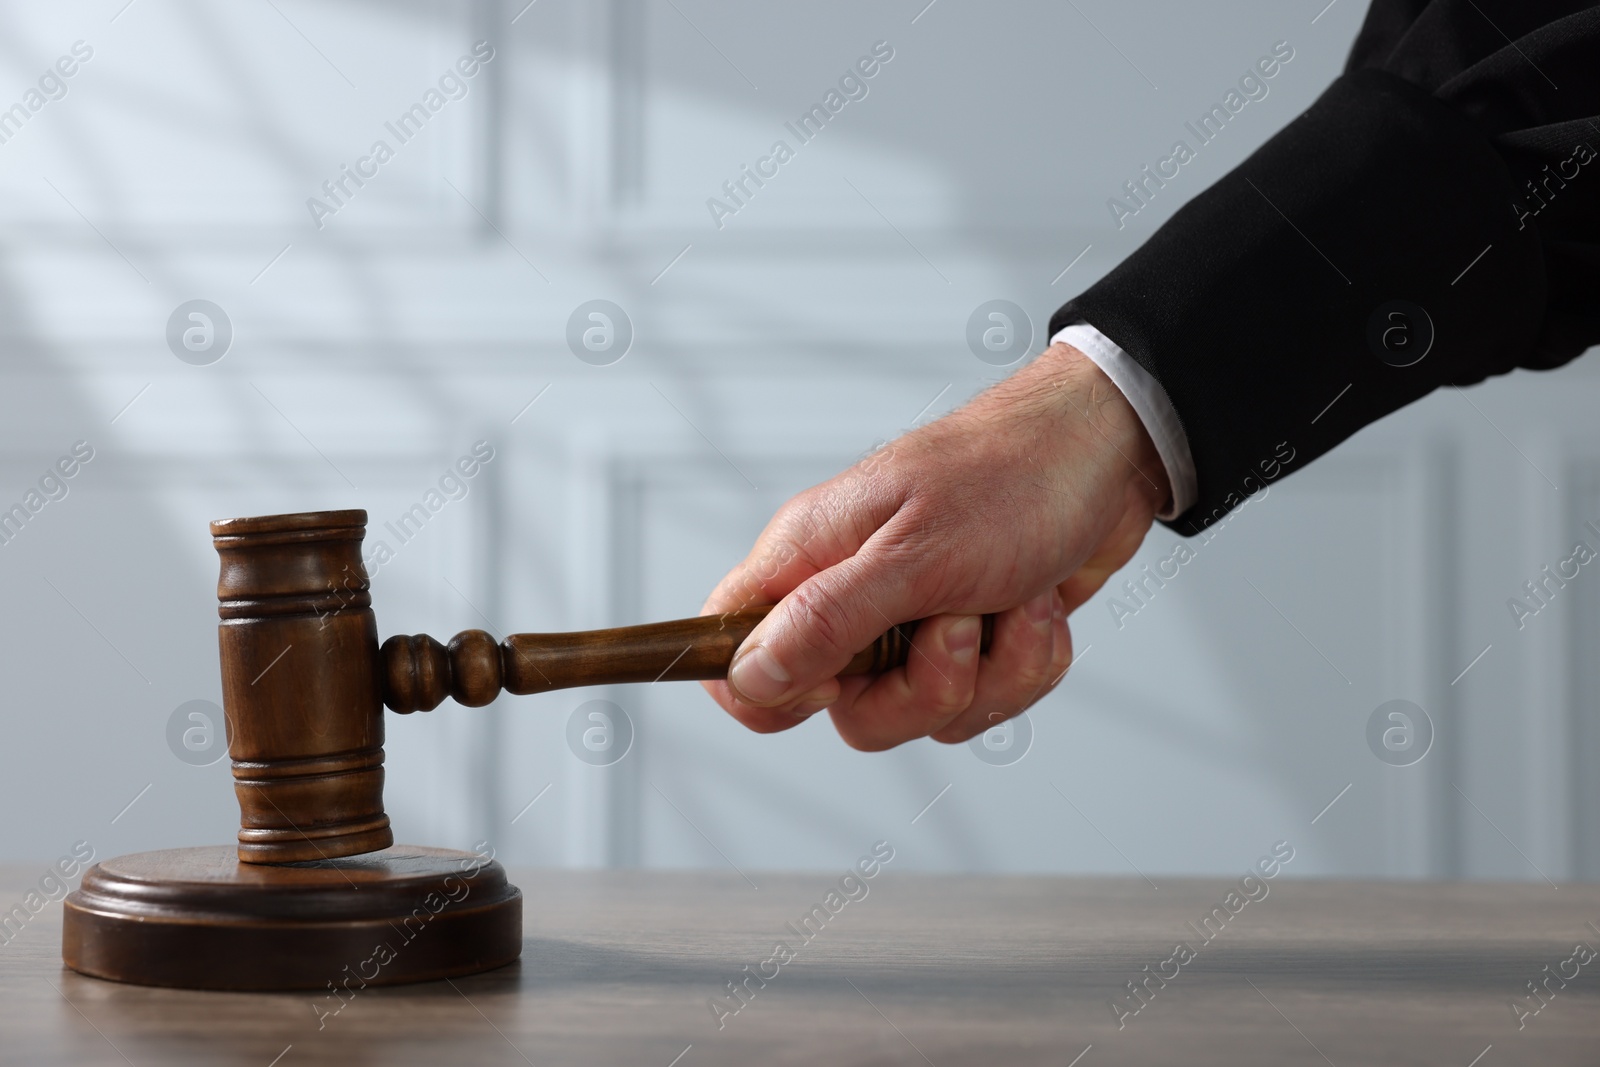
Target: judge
1433,219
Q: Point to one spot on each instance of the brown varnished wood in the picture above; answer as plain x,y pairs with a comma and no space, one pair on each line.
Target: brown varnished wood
304,680
419,672
198,918
300,686
1016,971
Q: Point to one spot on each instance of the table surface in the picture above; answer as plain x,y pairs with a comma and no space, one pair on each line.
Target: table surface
619,967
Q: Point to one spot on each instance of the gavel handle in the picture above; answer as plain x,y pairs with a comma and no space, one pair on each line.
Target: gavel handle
419,672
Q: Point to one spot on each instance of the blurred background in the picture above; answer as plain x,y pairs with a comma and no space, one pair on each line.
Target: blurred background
348,353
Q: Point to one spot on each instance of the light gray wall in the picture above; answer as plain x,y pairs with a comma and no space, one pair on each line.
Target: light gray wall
826,315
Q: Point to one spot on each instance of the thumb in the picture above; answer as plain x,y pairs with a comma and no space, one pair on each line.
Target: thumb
815,630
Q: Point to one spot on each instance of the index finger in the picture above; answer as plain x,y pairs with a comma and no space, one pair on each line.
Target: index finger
811,532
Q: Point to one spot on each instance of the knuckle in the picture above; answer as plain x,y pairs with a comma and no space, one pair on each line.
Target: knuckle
1052,678
796,514
946,697
819,615
944,701
1027,694
772,560
798,523
950,699
816,529
1030,680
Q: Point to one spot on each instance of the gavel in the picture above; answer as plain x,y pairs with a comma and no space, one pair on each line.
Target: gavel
304,680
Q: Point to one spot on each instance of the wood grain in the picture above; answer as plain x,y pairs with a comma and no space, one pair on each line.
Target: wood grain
618,967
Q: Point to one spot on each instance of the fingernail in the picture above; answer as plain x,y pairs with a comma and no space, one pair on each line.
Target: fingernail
757,678
961,639
1041,609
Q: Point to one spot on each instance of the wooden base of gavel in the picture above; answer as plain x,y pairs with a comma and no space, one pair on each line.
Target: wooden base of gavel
316,895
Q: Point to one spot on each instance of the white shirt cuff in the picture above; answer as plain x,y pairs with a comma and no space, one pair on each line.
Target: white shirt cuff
1150,403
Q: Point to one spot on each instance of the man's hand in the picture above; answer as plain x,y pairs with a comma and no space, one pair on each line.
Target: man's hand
1020,504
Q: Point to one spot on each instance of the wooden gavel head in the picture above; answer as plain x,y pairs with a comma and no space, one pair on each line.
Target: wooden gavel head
304,682
301,687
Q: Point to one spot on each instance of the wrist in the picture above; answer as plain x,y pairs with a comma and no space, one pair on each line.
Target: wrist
1087,397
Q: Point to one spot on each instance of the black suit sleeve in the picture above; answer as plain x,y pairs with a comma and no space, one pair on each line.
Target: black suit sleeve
1454,167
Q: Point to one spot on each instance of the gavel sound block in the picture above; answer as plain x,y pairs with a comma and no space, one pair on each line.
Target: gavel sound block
316,895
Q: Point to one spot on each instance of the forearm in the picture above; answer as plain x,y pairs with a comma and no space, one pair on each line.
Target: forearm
1262,307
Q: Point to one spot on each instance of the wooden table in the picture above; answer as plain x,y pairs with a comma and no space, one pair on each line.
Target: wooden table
618,968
